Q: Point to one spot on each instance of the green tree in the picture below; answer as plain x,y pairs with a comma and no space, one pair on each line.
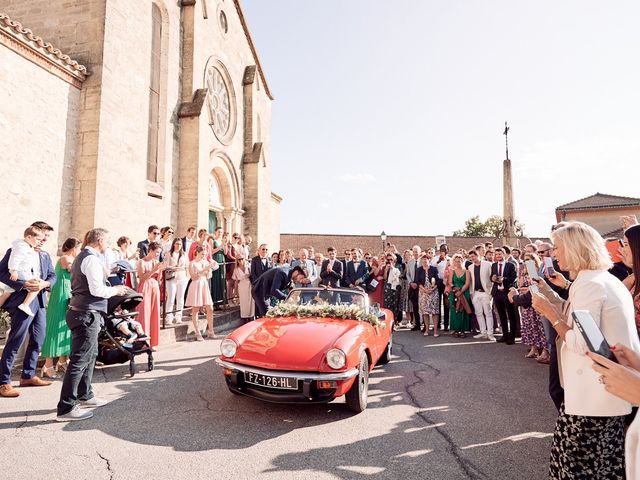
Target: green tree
491,227
473,227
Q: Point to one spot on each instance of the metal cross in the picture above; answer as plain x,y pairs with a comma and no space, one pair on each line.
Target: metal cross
506,138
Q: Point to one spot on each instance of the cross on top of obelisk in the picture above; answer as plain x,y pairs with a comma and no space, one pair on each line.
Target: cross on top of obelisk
506,138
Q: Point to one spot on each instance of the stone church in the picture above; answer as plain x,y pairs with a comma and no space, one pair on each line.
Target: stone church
122,114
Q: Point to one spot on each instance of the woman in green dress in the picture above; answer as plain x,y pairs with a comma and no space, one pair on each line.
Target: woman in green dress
459,281
57,341
218,279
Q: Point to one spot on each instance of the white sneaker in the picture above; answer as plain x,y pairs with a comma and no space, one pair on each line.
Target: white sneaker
491,337
93,402
74,414
25,309
480,335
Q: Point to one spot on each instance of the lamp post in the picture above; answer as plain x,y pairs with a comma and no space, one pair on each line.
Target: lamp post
383,237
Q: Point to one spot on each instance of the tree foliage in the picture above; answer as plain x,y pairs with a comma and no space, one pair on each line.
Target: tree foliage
491,227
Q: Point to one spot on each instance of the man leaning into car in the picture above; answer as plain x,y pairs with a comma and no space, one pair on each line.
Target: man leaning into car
272,283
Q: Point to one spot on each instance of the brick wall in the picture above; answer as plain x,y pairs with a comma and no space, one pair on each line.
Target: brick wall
373,244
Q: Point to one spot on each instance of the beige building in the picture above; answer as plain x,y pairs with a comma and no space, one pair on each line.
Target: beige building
137,112
601,211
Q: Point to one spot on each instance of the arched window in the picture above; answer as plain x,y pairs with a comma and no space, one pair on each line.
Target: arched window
154,94
215,197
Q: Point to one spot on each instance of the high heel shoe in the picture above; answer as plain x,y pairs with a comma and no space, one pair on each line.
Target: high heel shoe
61,367
45,372
210,334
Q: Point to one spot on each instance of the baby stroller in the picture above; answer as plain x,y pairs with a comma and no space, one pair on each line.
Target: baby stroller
112,346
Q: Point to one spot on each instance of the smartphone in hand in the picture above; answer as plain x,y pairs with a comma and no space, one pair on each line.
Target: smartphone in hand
592,334
548,263
532,271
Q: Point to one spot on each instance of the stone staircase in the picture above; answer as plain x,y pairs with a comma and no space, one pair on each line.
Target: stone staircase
223,320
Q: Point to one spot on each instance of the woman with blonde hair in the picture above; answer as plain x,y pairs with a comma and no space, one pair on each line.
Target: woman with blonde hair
589,435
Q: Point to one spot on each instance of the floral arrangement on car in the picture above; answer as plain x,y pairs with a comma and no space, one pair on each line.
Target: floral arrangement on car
346,311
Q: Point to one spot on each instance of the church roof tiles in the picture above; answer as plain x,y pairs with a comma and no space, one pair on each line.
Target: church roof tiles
600,200
45,49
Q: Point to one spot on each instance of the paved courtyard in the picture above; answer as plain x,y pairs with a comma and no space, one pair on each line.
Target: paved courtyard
442,409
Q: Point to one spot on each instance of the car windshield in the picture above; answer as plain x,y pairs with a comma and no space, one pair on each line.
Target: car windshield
321,296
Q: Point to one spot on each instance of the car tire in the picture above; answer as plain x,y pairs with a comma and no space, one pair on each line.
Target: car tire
386,355
357,396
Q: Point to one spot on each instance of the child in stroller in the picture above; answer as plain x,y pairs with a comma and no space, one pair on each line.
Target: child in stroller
123,322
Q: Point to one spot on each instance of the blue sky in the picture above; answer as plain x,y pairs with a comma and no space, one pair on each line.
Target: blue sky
389,115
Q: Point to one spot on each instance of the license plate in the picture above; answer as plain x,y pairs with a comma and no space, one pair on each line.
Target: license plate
270,381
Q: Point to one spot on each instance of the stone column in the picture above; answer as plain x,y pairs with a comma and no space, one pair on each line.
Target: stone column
509,230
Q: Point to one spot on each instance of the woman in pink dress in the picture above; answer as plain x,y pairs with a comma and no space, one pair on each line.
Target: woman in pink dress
199,293
149,271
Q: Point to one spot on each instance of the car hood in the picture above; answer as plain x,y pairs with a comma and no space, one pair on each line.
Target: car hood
289,343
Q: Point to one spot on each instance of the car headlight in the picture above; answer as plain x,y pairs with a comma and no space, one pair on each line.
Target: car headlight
336,358
228,347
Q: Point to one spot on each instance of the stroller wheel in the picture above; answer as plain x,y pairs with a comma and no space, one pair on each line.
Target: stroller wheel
150,363
132,367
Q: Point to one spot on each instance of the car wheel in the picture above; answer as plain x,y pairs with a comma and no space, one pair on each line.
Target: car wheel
357,396
386,355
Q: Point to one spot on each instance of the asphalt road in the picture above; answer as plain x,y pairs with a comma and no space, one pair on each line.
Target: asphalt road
444,408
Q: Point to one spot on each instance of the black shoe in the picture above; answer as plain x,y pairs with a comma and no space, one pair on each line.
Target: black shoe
502,339
415,329
509,341
445,329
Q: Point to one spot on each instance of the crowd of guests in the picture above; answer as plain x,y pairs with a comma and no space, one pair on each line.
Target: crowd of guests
488,292
506,292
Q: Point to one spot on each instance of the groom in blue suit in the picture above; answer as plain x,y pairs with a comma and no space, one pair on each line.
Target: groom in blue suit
357,271
22,324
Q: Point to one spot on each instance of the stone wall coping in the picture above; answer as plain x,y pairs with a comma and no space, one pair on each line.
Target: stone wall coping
247,34
25,43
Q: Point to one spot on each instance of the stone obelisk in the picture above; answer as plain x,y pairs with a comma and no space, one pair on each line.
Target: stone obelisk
509,222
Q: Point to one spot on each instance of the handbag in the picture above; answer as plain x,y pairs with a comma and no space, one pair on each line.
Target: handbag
372,285
169,274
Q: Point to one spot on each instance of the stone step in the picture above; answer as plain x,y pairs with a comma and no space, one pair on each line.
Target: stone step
223,320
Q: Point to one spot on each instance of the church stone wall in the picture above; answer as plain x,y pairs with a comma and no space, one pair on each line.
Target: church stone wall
37,157
127,201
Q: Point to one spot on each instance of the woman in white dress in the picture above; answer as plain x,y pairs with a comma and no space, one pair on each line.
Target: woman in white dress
241,277
176,281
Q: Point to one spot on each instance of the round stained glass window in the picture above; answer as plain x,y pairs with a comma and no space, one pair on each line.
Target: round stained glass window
219,102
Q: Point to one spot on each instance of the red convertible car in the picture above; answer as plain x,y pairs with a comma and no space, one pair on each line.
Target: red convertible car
315,346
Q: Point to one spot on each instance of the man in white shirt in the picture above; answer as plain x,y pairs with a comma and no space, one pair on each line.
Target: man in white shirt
188,239
88,305
480,274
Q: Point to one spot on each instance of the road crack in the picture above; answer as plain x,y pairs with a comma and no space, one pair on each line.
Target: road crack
108,462
470,470
26,420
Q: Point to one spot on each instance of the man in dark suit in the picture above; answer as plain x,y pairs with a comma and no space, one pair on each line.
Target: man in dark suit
357,271
22,324
260,264
503,276
188,239
272,283
331,271
153,235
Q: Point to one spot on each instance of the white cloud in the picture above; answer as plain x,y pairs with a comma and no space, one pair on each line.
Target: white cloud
357,178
